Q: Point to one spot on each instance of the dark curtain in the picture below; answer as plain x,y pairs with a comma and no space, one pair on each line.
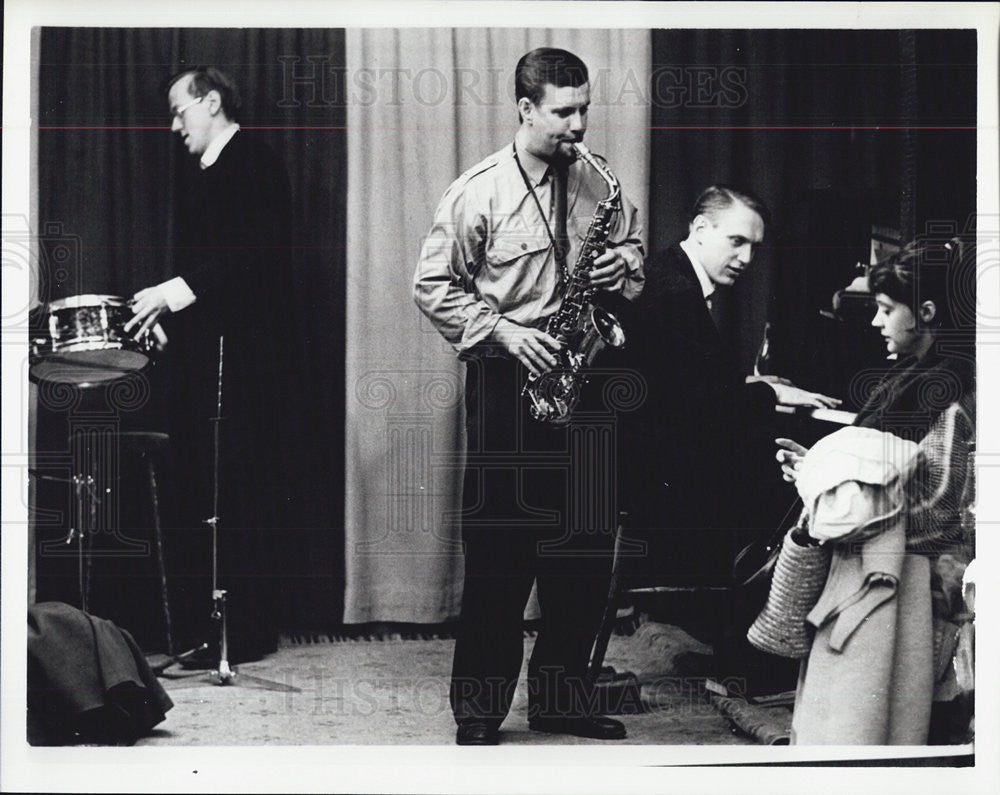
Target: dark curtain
832,128
107,167
838,130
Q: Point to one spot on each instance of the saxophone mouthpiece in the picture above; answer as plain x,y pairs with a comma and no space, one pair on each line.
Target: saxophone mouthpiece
582,151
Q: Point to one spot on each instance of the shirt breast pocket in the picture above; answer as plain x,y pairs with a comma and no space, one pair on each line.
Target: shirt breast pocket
509,250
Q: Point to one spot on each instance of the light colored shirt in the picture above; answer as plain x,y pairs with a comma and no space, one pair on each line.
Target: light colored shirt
177,294
707,285
176,291
488,255
217,144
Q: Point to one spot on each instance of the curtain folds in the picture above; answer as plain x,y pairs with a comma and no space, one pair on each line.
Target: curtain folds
106,170
424,106
814,122
373,125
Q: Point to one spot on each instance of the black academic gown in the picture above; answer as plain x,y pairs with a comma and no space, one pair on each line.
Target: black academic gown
233,236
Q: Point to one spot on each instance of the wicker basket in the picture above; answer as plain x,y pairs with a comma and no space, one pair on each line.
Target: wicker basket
799,577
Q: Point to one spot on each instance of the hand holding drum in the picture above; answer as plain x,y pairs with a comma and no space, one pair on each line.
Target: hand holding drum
147,306
89,342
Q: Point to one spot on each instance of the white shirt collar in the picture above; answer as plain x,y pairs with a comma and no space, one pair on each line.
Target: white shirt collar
707,285
214,149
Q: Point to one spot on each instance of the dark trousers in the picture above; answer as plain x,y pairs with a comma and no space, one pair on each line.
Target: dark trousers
522,479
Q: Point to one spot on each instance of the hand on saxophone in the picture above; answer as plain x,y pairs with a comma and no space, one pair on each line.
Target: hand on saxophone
609,271
532,347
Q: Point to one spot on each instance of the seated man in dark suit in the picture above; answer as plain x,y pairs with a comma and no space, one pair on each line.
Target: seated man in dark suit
690,446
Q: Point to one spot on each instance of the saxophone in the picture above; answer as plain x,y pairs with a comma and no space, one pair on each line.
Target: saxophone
583,328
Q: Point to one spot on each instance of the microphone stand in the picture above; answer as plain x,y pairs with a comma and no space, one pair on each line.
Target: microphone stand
224,674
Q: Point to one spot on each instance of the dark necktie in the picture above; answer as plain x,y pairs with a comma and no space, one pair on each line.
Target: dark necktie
559,175
713,310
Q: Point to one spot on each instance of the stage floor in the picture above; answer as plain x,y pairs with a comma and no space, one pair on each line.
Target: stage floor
395,692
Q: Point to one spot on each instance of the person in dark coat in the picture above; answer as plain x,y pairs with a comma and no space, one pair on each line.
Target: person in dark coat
689,446
231,298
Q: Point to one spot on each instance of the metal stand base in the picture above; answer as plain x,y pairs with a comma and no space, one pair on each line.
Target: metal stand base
224,674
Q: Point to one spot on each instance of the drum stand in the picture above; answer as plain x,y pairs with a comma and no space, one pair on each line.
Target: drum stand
86,509
224,674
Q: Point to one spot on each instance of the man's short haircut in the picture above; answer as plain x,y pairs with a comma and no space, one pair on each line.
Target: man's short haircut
547,66
928,270
208,78
716,198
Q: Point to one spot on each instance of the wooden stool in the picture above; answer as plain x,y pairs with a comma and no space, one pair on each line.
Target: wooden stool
151,446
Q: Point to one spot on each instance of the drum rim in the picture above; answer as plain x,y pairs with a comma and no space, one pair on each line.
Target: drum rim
93,373
92,343
87,300
97,376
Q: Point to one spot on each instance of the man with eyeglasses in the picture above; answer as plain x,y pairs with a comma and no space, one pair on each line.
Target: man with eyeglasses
229,299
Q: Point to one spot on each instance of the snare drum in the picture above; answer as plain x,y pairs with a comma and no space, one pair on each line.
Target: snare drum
87,342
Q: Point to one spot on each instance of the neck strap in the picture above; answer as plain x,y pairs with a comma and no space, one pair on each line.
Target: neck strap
564,276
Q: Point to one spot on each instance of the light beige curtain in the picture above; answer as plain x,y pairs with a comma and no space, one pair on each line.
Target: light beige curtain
424,105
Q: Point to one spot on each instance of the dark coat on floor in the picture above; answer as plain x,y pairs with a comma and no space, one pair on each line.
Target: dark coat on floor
88,682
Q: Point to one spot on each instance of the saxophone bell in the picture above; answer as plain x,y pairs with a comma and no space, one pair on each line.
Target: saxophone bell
555,394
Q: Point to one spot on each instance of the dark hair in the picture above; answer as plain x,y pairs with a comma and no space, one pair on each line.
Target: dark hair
923,271
547,66
205,79
716,198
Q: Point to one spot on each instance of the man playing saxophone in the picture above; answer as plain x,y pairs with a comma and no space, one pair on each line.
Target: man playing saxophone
494,268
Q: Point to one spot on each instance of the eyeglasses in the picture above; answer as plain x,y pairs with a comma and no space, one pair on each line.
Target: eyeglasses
179,113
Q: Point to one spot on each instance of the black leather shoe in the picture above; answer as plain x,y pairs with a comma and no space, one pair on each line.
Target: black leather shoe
597,727
477,734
